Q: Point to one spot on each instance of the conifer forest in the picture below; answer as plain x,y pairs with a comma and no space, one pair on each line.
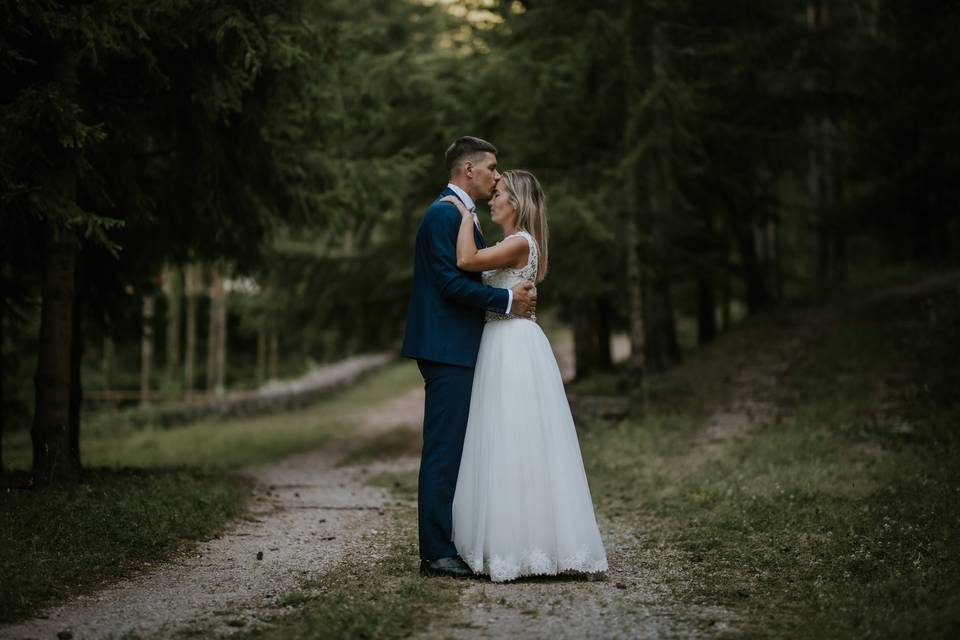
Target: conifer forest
203,200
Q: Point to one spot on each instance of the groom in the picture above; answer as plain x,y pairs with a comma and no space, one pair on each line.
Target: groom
444,324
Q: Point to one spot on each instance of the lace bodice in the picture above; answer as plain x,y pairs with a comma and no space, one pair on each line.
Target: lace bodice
508,277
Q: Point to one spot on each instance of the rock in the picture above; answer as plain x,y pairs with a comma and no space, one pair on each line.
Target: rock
259,555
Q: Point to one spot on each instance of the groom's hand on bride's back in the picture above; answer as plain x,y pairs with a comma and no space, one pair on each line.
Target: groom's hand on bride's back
524,300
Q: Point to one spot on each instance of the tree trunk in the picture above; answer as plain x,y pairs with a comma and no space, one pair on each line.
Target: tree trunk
604,333
222,342
758,296
669,320
660,340
108,364
173,289
631,195
212,340
3,362
77,347
726,301
584,349
635,295
840,255
274,356
192,286
706,287
216,336
591,337
53,461
839,247
146,348
663,349
777,243
823,171
261,354
706,306
761,242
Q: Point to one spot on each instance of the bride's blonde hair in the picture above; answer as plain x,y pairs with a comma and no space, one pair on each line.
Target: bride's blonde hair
530,204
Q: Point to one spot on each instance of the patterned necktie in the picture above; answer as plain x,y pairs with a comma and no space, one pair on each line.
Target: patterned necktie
476,220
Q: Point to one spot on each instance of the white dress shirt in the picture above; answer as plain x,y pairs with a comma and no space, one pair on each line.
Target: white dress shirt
467,202
472,208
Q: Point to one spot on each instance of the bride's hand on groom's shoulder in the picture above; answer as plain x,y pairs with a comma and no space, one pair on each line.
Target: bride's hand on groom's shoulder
459,205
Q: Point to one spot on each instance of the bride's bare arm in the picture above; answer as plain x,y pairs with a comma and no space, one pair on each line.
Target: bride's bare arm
509,253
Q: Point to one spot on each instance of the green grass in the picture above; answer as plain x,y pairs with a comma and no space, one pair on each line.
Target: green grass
148,491
216,443
403,485
386,599
59,540
841,520
395,443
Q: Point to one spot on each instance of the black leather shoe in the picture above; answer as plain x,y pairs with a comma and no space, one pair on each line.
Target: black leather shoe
453,567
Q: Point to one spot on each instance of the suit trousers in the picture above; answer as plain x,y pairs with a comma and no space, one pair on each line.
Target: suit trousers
446,409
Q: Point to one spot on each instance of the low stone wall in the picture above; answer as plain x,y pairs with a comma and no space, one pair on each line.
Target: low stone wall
271,398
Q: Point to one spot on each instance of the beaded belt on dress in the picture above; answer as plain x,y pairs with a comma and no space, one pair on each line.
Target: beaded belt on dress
493,316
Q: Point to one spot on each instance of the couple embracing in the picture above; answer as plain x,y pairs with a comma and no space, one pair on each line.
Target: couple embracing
502,489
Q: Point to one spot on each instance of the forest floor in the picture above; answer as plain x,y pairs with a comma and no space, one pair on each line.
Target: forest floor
793,480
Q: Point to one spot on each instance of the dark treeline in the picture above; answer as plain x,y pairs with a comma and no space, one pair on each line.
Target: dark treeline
705,156
177,176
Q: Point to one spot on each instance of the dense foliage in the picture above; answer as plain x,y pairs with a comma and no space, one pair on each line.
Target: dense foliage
258,169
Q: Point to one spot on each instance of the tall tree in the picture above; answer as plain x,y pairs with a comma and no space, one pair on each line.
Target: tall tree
148,306
173,296
217,334
110,110
193,287
53,455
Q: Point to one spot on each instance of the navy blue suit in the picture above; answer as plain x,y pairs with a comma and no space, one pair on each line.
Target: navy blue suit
444,325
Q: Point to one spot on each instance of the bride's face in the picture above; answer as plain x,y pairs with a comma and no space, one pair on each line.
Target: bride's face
501,210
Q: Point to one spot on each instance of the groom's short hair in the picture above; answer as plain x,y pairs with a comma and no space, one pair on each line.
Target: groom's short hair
465,147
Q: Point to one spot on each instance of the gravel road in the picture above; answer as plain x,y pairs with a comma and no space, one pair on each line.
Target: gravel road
307,514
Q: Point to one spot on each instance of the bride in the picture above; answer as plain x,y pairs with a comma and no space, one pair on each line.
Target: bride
522,505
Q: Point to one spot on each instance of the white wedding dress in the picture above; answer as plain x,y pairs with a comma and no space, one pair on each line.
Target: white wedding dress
522,505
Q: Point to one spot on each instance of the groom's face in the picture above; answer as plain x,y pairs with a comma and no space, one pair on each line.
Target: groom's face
483,174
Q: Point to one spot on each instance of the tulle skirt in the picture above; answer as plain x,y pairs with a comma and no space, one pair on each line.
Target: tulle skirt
522,505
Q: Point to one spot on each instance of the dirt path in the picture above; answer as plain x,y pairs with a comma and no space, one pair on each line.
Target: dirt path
308,514
760,394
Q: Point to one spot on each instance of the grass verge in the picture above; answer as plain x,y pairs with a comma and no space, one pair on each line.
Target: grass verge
842,519
396,443
59,540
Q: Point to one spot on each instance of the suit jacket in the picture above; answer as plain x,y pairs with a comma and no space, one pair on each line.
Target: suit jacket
447,305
